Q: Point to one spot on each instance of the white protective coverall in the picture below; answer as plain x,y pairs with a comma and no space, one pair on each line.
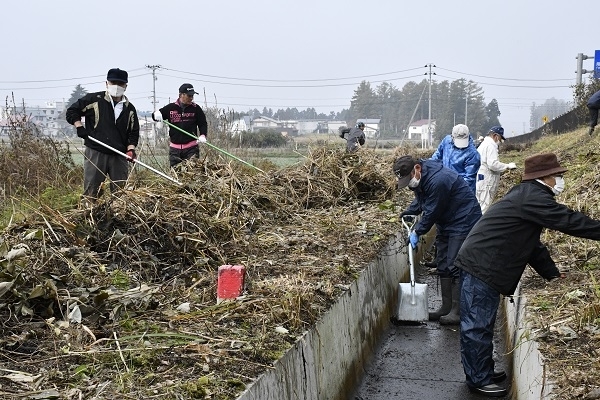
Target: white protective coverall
488,176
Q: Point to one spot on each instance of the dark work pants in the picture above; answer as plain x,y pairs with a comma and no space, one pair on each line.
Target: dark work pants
478,308
593,116
97,166
178,155
446,250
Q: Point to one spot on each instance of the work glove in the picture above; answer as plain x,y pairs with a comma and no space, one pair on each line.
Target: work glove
413,239
157,116
159,125
132,156
82,132
202,139
512,165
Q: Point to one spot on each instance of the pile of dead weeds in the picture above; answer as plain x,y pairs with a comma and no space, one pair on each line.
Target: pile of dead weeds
119,300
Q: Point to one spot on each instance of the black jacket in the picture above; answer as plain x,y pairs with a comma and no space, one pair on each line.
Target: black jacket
507,237
100,122
190,118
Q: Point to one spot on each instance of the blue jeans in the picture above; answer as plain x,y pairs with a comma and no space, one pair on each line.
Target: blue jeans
478,308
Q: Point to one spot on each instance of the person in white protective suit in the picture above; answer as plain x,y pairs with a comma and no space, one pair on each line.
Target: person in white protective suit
488,175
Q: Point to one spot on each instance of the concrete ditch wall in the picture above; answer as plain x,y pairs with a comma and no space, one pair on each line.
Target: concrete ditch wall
529,372
329,360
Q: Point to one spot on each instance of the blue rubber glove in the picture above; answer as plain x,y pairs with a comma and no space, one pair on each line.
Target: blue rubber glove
413,239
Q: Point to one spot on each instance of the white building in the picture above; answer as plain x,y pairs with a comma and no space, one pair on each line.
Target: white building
371,127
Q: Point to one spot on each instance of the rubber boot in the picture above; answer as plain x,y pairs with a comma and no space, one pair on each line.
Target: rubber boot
446,284
453,317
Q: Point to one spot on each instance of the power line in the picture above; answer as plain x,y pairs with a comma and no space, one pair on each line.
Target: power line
506,79
294,80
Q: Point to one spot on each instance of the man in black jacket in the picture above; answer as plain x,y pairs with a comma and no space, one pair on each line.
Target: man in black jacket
111,119
494,255
186,115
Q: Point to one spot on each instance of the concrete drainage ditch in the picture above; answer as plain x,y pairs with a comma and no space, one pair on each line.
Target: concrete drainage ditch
330,360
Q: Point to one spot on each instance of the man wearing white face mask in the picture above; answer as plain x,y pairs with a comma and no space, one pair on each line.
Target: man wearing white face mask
496,252
488,175
443,198
111,119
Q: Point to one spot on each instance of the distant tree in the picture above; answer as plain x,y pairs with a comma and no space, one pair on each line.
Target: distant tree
492,112
363,103
77,93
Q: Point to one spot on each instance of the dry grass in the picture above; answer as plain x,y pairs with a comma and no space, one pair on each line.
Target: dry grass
123,267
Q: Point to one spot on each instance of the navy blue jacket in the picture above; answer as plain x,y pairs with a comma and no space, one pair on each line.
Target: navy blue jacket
444,199
594,101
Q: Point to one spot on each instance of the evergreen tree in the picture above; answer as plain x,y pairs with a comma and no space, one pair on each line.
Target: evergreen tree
77,93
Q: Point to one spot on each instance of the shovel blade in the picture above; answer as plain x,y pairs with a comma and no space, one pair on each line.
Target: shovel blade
412,302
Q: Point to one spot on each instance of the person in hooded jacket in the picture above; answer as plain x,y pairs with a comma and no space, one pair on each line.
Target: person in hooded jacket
355,137
488,176
495,254
110,118
458,152
442,198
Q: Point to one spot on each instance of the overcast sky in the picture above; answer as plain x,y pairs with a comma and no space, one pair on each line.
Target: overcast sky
309,53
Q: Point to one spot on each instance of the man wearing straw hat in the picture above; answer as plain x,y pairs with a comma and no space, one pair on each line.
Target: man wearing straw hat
494,255
111,119
188,116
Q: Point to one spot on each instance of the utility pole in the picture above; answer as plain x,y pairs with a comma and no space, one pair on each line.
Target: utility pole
429,138
153,68
467,103
580,71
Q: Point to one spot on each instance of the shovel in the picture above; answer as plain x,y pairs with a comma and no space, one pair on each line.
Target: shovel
412,297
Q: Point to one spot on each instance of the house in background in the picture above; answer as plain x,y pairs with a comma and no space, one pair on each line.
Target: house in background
417,130
371,127
241,125
334,126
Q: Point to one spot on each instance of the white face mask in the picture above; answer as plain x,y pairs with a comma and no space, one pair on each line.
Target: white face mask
115,90
559,186
413,183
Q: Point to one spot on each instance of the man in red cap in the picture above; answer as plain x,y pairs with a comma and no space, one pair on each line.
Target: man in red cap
495,253
186,115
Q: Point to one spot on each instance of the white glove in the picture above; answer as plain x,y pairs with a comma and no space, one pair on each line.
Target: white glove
157,116
159,125
512,165
202,139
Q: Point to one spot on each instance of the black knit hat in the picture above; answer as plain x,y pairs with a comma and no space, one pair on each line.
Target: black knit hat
116,75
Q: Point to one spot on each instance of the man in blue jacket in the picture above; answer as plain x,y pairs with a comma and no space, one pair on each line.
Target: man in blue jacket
458,152
494,255
442,198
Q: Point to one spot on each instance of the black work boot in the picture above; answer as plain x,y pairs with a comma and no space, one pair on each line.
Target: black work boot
453,317
446,285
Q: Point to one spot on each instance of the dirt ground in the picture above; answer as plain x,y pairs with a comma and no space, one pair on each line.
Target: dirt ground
118,300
